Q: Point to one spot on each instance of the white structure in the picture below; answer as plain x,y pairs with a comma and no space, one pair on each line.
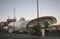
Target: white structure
23,25
17,26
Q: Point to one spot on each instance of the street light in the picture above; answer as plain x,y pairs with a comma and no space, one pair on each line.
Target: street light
39,31
38,25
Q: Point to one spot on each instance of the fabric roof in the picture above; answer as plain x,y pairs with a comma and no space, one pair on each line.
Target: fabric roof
20,25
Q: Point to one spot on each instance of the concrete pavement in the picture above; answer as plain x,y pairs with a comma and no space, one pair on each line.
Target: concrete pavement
22,36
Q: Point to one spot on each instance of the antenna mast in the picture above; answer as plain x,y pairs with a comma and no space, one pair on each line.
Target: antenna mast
14,15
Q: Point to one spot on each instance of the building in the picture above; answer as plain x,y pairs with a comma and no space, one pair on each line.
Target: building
10,20
17,26
54,27
30,25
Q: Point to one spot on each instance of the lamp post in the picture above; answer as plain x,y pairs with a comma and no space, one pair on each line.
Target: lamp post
39,31
38,24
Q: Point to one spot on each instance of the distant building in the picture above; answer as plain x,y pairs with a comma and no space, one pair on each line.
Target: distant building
10,20
2,24
54,27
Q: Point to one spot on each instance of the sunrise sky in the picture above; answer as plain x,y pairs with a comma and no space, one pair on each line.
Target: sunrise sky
27,9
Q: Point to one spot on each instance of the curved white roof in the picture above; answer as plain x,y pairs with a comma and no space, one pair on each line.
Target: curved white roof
20,25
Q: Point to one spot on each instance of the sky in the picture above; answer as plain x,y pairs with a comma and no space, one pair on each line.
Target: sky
27,9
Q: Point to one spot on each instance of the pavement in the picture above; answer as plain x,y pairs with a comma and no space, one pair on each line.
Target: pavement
5,35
